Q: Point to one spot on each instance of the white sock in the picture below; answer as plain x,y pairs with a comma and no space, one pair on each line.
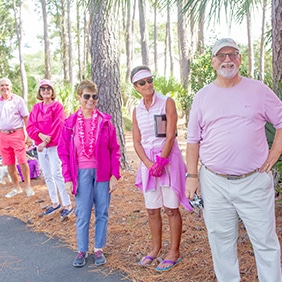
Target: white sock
97,249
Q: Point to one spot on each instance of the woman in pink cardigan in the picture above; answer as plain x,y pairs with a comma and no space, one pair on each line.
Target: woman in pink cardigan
44,126
90,154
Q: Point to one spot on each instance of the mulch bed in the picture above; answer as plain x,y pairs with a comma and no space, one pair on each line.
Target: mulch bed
128,233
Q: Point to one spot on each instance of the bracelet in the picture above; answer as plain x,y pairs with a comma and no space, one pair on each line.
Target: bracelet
187,175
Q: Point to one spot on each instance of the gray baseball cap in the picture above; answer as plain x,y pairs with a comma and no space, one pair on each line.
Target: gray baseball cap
224,42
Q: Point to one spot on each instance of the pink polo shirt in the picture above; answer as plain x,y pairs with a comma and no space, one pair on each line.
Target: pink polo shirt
229,125
12,112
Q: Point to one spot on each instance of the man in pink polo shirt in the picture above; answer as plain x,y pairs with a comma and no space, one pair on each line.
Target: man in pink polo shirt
226,133
13,136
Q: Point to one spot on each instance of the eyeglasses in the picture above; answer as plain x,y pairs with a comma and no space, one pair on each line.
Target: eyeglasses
45,88
222,56
87,96
143,82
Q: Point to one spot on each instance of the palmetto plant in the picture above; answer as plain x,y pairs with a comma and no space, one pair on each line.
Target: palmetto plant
277,168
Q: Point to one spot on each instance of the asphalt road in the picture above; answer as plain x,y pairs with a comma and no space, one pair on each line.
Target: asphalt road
26,256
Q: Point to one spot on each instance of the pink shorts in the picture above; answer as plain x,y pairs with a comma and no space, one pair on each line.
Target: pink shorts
161,196
13,146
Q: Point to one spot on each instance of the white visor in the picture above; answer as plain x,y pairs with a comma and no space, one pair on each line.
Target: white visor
141,74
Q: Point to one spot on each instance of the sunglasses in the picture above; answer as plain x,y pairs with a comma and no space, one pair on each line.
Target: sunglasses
143,82
87,96
222,56
45,88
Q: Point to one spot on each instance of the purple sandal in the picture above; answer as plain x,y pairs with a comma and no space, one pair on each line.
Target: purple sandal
170,262
145,258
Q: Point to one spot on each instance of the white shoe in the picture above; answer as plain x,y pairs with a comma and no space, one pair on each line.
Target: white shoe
29,191
14,192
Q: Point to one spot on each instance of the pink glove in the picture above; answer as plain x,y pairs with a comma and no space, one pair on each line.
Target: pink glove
157,168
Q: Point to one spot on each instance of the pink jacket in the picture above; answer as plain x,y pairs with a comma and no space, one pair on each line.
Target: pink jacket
49,123
107,151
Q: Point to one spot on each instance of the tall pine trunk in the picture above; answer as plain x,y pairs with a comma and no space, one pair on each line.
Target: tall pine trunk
47,55
105,67
64,41
276,45
250,47
18,21
69,32
261,57
143,33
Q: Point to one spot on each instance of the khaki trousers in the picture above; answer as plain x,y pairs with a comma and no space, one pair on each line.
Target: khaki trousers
252,200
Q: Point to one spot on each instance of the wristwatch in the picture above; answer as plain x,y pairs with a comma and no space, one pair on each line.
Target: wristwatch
189,175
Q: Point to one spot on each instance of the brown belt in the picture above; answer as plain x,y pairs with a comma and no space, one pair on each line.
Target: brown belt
11,130
232,176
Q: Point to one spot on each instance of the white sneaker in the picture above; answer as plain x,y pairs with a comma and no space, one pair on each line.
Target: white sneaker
29,191
14,192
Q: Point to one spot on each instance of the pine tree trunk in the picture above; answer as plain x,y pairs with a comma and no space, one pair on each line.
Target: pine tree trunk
261,57
276,45
18,21
250,47
86,44
129,28
105,68
143,33
69,32
64,43
78,34
46,41
169,38
201,34
183,47
155,40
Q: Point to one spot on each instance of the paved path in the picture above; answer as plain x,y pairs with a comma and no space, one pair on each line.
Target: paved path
26,256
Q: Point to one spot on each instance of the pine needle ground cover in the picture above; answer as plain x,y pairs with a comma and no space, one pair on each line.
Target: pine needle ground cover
128,233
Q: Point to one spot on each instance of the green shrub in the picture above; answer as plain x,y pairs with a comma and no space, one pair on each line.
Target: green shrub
127,124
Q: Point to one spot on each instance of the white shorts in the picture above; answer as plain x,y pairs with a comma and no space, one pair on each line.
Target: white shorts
161,196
